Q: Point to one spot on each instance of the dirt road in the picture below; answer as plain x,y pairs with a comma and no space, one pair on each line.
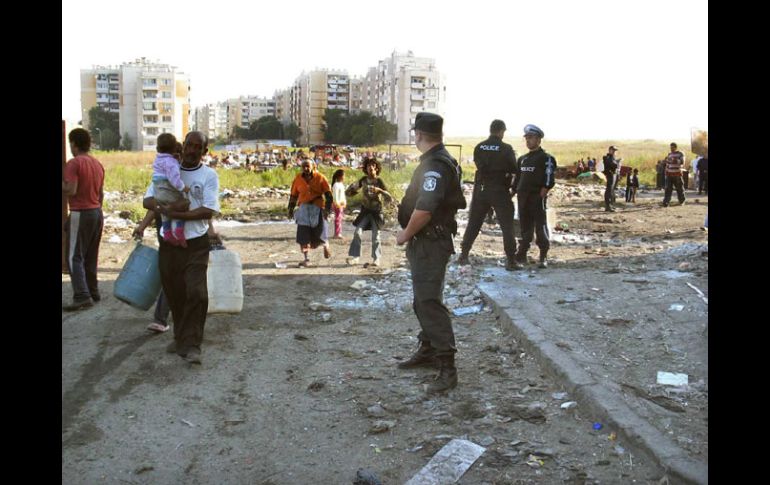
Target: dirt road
293,393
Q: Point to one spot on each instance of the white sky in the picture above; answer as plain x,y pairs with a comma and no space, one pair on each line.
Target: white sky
587,69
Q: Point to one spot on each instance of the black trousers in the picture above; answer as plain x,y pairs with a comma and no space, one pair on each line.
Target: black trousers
500,200
671,183
703,182
608,190
532,217
428,259
84,233
183,276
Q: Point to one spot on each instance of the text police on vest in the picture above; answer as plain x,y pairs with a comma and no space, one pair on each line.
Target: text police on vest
490,148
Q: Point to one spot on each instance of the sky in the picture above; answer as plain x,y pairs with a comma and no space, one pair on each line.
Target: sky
580,70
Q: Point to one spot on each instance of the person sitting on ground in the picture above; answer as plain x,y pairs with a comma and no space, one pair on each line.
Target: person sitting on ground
169,188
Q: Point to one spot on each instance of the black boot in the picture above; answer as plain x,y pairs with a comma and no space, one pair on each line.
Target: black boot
521,256
447,376
424,357
543,261
512,264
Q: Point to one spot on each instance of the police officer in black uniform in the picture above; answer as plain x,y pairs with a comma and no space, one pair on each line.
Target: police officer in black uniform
537,171
496,166
427,216
610,171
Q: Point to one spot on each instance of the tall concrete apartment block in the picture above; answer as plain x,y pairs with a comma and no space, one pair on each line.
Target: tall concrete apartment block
311,94
151,98
402,86
245,110
212,120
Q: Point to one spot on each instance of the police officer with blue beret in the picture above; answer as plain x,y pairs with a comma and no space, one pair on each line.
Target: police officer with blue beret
537,170
495,169
427,216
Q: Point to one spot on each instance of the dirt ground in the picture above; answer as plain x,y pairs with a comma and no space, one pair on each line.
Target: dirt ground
302,385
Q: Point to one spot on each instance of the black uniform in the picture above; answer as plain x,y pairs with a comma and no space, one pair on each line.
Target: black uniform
703,176
610,171
495,168
435,187
537,170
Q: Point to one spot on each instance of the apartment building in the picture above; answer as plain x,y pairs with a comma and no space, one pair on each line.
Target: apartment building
402,86
245,110
151,98
312,93
283,105
211,119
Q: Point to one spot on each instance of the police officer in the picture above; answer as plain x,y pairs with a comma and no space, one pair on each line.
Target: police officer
537,171
427,216
610,171
496,166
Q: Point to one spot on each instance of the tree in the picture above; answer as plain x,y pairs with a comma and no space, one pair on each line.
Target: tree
127,144
361,128
243,133
267,127
108,125
292,132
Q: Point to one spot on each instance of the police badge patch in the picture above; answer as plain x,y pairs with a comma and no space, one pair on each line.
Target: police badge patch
429,184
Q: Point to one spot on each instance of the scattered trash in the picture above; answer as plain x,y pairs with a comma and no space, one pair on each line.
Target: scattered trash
315,306
672,379
597,426
143,469
568,405
559,395
366,477
115,239
375,411
280,265
316,386
449,464
326,317
595,289
486,441
613,436
381,426
359,285
684,266
299,336
534,461
416,448
187,423
619,450
700,293
469,310
676,307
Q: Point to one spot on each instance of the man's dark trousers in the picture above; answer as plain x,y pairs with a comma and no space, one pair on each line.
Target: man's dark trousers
500,200
428,259
532,216
672,182
84,233
183,276
608,191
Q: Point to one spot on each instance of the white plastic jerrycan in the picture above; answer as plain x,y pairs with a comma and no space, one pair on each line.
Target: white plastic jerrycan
225,282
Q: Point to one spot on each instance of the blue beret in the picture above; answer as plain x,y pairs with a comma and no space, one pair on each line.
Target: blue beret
533,130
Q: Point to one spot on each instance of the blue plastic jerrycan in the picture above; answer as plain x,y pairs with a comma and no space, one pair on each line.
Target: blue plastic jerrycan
139,281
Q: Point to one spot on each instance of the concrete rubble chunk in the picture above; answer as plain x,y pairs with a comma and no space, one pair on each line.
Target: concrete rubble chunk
449,464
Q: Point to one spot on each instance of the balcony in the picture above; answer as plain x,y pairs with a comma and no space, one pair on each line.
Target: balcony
417,97
416,109
418,85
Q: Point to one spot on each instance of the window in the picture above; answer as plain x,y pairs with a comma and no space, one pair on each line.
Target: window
431,104
166,119
149,94
166,82
102,85
150,119
149,82
149,106
151,131
166,94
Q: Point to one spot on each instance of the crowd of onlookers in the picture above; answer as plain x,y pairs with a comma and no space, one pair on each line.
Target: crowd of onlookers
257,161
